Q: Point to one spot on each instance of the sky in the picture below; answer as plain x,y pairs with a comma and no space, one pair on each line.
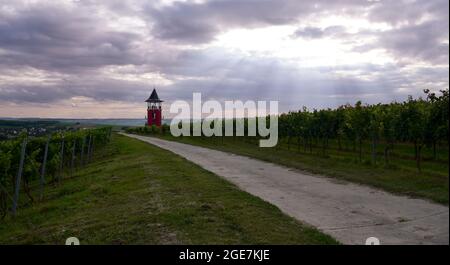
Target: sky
101,59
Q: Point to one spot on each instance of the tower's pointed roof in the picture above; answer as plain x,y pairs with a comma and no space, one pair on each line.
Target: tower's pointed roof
154,97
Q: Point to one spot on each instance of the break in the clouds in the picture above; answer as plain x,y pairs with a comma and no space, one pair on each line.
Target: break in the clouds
90,58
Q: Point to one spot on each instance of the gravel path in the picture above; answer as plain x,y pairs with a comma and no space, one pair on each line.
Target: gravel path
349,212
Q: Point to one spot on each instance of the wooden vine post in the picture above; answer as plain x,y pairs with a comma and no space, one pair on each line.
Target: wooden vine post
19,177
92,148
44,164
61,161
82,151
72,163
88,148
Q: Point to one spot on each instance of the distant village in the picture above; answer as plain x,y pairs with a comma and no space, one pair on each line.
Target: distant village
12,128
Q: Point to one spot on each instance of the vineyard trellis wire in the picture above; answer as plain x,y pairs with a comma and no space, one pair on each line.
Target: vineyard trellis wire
42,160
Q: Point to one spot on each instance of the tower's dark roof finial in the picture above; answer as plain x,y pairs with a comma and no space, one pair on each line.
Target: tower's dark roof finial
154,97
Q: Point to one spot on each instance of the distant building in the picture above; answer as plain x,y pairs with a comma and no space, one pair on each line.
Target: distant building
154,110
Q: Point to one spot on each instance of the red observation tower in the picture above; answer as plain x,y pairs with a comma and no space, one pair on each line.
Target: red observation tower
154,111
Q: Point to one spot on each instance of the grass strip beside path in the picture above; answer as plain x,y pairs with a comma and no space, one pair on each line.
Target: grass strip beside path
136,193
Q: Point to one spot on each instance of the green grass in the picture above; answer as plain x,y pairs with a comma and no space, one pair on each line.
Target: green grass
400,176
135,193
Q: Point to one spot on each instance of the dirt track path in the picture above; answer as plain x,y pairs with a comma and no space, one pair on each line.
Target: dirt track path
349,212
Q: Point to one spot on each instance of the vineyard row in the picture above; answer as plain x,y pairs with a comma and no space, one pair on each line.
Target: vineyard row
25,161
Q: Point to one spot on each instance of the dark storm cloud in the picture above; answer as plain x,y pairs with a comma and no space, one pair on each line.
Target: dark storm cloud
426,42
199,23
52,37
423,42
24,93
77,42
420,29
410,12
98,89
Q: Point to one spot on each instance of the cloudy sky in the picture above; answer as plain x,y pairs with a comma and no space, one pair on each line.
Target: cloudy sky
95,58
